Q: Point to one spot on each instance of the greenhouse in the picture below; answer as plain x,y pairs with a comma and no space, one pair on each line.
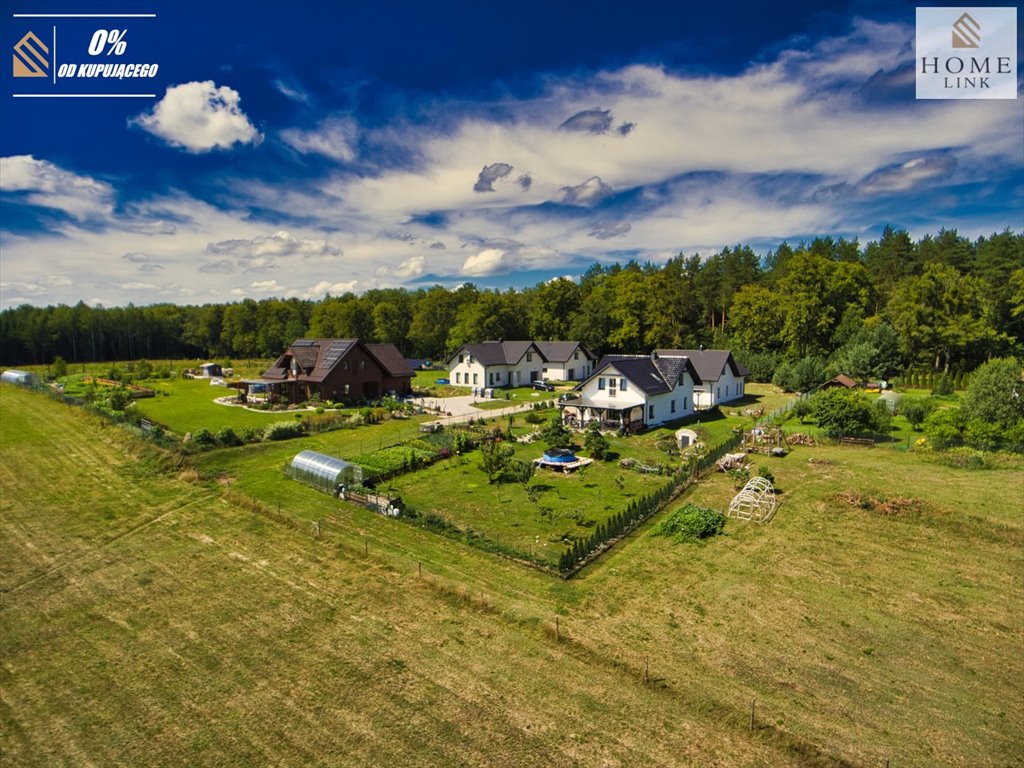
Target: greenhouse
24,378
325,473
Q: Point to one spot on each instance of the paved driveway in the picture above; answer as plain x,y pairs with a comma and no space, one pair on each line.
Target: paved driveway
459,409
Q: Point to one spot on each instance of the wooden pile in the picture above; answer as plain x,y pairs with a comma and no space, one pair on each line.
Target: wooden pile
732,461
799,438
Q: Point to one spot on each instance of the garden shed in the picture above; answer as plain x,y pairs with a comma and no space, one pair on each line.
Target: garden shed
755,502
323,472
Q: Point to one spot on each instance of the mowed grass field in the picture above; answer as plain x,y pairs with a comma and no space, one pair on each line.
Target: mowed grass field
184,630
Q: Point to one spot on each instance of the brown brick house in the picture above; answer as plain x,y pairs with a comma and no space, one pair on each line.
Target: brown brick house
339,370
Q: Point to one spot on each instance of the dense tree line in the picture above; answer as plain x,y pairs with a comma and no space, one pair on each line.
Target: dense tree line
943,303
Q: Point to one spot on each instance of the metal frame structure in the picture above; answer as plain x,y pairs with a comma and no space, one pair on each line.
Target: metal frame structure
755,502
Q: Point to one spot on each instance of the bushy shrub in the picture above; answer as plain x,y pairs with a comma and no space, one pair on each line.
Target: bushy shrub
944,386
203,437
845,412
283,430
533,418
227,436
691,522
251,434
964,458
915,410
944,428
765,471
801,376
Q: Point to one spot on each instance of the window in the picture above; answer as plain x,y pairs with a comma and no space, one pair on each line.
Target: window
622,384
718,392
529,357
346,389
685,407
727,390
457,375
362,365
462,358
344,365
576,355
474,379
611,388
673,406
600,382
490,379
650,411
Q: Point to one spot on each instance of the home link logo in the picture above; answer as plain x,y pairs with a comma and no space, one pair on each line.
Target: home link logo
966,53
966,32
28,60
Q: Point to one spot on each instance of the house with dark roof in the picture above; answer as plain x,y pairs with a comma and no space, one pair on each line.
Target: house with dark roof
566,360
518,363
723,379
345,370
634,391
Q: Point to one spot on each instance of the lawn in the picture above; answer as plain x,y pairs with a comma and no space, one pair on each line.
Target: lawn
540,518
185,630
187,405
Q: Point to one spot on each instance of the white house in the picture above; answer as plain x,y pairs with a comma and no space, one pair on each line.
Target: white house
496,364
566,360
723,379
630,392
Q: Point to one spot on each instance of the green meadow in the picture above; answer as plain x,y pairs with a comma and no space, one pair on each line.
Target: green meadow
152,615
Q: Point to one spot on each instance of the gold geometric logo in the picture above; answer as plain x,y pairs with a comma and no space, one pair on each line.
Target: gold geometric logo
966,32
28,61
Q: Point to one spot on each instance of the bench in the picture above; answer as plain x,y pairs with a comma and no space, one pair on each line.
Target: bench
860,442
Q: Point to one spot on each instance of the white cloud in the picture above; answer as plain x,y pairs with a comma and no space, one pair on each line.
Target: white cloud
199,117
50,186
411,267
334,138
268,286
502,257
324,287
281,243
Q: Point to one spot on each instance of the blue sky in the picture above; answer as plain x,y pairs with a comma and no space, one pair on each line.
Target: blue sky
299,149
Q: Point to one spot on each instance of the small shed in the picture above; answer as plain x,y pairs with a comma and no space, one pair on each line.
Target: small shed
685,438
323,472
209,370
21,378
842,381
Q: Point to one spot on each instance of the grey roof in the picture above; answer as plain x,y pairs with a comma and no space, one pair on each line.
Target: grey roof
639,369
498,352
709,363
561,351
654,376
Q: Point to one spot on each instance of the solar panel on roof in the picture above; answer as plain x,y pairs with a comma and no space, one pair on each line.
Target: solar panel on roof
304,343
334,352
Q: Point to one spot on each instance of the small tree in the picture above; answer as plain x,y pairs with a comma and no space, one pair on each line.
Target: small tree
915,410
996,393
594,442
554,434
496,460
60,367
